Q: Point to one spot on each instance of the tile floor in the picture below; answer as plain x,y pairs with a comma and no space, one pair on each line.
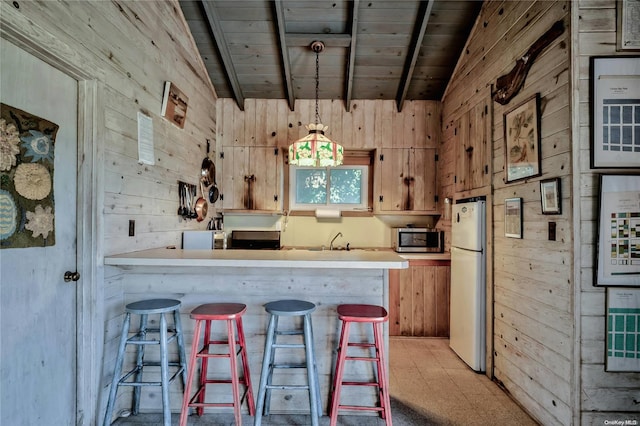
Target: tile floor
430,385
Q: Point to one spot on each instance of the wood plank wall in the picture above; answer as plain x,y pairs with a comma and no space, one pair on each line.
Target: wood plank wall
603,395
532,277
369,124
131,49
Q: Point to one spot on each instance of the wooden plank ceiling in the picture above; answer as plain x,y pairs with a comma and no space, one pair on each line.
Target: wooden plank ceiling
392,49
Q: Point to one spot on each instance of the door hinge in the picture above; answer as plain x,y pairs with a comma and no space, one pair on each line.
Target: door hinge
381,198
381,157
486,109
486,169
435,198
222,155
455,179
436,157
275,151
275,198
221,196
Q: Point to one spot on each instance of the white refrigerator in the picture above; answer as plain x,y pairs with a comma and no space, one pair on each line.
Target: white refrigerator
467,335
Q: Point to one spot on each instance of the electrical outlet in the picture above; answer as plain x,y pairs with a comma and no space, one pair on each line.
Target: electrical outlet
132,228
552,231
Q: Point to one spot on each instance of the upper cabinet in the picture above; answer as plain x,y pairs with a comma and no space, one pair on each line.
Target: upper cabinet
472,133
251,178
406,181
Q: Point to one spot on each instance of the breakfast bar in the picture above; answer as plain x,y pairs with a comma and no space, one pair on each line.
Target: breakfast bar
256,277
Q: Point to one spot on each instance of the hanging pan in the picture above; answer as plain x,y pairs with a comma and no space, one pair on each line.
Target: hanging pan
201,205
208,172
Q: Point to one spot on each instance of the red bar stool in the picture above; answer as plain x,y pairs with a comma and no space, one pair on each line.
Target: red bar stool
229,312
376,315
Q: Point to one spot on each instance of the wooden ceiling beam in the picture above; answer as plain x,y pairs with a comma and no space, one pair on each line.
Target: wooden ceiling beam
414,49
221,43
284,54
352,56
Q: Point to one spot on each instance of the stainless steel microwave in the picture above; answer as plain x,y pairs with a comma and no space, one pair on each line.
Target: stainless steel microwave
417,240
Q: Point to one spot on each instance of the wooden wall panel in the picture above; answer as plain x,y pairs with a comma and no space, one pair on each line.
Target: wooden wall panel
519,270
604,395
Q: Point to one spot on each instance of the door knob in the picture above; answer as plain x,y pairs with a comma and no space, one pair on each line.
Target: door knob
71,276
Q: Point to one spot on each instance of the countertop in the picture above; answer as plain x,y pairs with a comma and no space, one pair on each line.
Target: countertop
293,258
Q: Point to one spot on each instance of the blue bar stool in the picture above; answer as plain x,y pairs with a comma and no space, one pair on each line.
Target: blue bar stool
144,308
289,308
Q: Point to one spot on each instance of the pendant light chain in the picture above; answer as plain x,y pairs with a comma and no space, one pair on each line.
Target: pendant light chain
317,83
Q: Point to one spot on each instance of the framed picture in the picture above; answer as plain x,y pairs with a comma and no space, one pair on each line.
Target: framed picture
522,140
174,104
618,249
627,28
513,217
622,352
615,111
550,196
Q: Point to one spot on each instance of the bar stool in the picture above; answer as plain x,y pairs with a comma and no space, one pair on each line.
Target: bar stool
166,335
229,312
376,315
289,308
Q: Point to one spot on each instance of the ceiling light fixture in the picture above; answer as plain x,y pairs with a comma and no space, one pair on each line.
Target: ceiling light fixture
315,149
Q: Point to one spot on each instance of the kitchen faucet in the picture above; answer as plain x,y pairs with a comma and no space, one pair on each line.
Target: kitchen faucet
339,234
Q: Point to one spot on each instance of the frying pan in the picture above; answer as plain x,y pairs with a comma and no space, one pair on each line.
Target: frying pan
208,172
201,204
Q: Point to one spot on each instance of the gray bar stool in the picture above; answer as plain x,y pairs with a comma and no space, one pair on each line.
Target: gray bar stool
289,308
144,308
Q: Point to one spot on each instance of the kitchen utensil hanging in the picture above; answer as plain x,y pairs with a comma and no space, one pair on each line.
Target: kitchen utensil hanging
201,205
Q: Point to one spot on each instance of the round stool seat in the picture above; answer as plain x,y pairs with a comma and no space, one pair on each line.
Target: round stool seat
153,306
290,307
218,311
362,313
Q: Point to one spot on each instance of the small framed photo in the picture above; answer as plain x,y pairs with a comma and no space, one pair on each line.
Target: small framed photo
513,217
522,140
550,196
627,25
623,317
615,110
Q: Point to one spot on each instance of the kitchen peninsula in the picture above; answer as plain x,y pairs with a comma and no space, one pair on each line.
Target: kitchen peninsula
255,277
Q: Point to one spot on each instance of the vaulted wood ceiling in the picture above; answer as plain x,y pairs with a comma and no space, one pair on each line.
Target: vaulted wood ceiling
391,49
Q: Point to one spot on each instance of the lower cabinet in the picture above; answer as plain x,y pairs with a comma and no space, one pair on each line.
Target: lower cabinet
419,299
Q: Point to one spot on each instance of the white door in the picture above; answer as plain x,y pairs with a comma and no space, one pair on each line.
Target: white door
467,312
37,308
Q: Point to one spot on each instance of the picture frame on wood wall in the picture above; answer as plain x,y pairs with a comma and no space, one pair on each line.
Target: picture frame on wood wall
618,248
615,111
522,140
622,350
513,217
627,29
550,198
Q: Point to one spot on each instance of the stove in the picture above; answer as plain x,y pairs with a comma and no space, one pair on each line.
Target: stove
255,240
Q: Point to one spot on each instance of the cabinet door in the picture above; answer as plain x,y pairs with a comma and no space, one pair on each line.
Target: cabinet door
422,196
393,179
250,178
235,166
419,299
472,136
406,180
264,175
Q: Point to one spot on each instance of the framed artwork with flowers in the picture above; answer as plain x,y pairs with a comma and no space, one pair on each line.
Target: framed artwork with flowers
27,145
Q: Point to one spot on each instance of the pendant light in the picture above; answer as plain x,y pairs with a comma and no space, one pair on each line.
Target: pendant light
315,149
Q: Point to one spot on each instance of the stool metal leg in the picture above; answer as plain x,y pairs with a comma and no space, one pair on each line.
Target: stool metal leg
181,354
257,421
117,369
315,366
272,361
204,367
311,371
164,370
139,363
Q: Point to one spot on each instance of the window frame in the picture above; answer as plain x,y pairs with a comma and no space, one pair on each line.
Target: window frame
364,196
352,158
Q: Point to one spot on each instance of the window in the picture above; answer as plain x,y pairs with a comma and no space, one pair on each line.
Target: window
342,187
